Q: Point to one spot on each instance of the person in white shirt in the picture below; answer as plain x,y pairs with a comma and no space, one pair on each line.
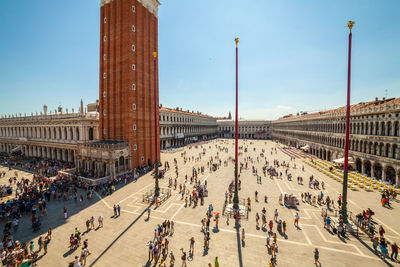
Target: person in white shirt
100,221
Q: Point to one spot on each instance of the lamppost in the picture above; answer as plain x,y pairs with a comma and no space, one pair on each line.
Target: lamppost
346,148
236,194
157,187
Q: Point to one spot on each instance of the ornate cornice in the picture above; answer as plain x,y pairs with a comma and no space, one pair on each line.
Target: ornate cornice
151,5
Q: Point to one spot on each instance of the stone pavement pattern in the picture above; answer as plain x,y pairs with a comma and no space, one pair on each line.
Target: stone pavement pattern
122,241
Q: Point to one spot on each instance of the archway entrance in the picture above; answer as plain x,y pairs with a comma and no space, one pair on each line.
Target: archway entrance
367,167
390,175
358,165
378,171
91,137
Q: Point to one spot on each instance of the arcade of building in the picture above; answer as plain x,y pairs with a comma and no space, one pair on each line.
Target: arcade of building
374,136
51,136
178,127
374,140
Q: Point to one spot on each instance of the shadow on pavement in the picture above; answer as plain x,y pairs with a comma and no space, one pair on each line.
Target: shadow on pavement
239,245
119,236
372,250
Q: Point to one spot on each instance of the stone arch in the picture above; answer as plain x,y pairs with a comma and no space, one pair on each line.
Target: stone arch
121,161
377,170
390,173
358,165
383,128
367,167
387,149
396,129
381,150
395,151
91,134
376,148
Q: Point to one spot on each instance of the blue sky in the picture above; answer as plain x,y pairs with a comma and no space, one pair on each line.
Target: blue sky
292,54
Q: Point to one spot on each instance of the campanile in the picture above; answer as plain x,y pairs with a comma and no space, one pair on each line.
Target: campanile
128,38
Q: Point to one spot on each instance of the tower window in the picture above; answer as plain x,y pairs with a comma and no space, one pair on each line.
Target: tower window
134,106
142,158
134,147
133,47
133,28
104,75
133,67
133,9
104,93
104,131
105,38
104,57
105,20
104,112
134,127
133,86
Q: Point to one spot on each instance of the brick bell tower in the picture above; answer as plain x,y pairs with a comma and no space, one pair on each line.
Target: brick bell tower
128,38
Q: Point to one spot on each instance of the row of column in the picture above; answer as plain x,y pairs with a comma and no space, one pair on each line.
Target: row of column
102,168
41,151
57,133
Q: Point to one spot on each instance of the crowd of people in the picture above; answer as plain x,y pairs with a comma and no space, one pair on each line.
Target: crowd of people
33,196
37,165
31,199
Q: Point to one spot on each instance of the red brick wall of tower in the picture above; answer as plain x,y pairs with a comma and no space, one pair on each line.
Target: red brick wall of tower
121,87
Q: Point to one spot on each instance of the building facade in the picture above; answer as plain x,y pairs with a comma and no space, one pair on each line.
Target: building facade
252,129
374,136
103,159
179,127
48,135
128,75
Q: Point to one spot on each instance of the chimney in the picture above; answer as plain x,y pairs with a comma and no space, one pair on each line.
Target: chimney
376,99
45,109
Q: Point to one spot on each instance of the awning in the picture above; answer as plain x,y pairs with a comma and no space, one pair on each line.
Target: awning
305,148
15,149
341,161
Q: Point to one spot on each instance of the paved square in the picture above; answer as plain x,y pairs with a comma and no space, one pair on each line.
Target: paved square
122,241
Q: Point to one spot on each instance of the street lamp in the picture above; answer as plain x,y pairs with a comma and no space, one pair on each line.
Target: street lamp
236,194
346,148
157,187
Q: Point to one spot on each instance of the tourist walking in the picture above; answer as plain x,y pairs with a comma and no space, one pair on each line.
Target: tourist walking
65,213
191,248
100,219
395,250
296,219
216,262
183,259
316,257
